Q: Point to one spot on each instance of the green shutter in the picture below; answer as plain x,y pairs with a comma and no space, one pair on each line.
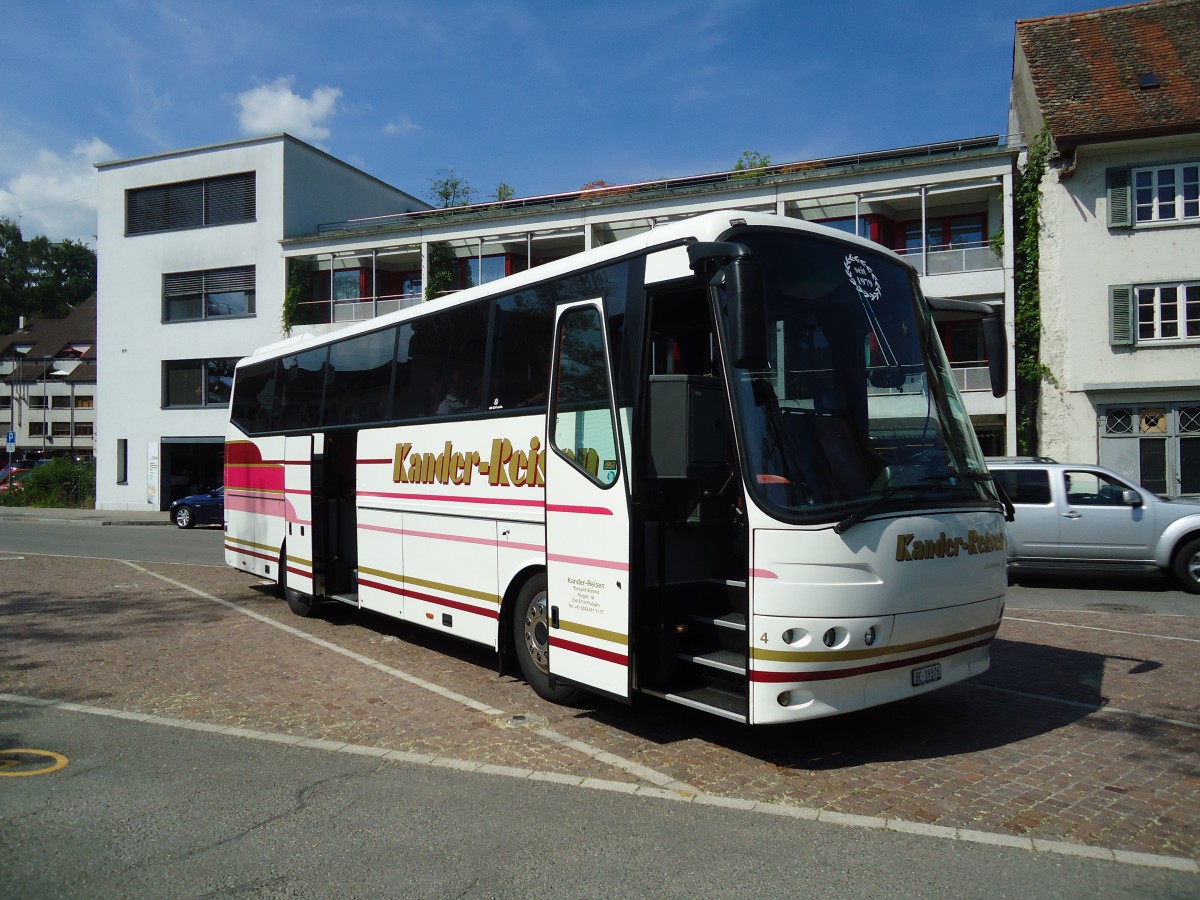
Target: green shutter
1120,315
1120,199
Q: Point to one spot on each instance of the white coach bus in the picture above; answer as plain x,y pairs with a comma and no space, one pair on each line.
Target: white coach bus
723,462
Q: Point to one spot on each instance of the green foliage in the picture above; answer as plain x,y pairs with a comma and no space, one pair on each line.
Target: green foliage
59,484
446,190
1027,327
441,270
293,294
40,279
504,191
749,161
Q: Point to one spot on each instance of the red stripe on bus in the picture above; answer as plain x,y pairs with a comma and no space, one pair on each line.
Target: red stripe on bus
454,538
232,548
620,659
430,598
579,510
451,498
763,573
833,674
588,561
375,462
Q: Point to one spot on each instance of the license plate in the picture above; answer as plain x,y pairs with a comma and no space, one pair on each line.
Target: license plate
927,675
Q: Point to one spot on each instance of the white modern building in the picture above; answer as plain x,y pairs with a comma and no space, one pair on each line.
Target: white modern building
1119,92
190,279
183,298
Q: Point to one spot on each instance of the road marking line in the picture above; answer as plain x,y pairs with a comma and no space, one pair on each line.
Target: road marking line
1091,707
1162,637
698,798
57,761
646,774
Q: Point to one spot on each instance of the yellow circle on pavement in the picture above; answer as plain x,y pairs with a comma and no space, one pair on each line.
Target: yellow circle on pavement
19,761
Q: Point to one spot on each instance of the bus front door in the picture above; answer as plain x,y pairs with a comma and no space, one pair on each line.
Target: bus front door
299,461
587,512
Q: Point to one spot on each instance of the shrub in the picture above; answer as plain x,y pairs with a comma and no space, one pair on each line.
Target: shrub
59,483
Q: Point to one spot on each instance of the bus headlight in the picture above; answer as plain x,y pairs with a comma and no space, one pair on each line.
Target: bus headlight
869,637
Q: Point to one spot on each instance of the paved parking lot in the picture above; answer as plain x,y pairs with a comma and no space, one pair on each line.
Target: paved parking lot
1086,731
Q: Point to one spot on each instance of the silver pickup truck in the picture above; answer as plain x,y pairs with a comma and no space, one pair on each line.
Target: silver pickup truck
1079,516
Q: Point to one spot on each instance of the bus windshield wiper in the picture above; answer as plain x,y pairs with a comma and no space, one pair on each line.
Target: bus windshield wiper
928,484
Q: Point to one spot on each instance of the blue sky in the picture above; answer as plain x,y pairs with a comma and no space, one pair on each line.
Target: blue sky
544,96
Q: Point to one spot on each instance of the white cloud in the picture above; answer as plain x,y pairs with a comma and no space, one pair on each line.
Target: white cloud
54,195
404,126
275,107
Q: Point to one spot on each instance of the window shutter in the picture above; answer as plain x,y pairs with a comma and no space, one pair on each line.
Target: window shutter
219,281
229,199
1120,199
1120,315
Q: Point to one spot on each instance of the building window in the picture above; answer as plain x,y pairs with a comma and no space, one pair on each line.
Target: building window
6,401
123,461
84,429
37,401
1167,194
214,293
60,402
84,401
1153,313
60,429
37,429
1168,312
191,204
197,382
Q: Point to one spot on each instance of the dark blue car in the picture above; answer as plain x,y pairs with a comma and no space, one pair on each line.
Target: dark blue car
199,509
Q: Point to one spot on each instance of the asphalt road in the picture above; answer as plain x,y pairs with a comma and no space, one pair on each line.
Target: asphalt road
166,807
147,810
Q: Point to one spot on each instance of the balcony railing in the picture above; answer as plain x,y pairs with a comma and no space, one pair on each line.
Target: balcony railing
972,376
325,312
946,259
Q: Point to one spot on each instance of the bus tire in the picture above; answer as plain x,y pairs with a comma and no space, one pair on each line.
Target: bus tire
531,634
1187,566
302,605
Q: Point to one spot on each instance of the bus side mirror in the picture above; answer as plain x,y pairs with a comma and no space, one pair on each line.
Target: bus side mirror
747,313
995,338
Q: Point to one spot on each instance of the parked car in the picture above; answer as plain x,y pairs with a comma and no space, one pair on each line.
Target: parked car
1081,516
10,476
199,509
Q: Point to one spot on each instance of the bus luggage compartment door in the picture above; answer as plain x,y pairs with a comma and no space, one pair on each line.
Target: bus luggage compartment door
587,511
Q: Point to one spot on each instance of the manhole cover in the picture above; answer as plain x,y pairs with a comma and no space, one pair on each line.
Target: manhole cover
1118,608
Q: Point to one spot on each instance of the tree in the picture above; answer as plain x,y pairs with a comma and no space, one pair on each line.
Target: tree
504,191
748,161
447,189
40,279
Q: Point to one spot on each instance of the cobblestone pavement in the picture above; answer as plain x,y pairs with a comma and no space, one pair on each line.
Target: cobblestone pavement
1086,730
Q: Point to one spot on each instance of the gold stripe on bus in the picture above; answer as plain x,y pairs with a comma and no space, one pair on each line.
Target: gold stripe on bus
300,560
242,543
604,635
812,656
484,596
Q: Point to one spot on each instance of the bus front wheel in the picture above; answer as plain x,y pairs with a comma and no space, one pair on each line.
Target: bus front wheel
531,632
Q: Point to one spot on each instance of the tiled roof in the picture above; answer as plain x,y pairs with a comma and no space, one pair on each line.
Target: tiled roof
1087,70
50,340
53,337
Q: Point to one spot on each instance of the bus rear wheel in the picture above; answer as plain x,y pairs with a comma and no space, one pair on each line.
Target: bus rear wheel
301,604
531,633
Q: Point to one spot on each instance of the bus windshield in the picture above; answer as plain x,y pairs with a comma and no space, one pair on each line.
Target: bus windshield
856,410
